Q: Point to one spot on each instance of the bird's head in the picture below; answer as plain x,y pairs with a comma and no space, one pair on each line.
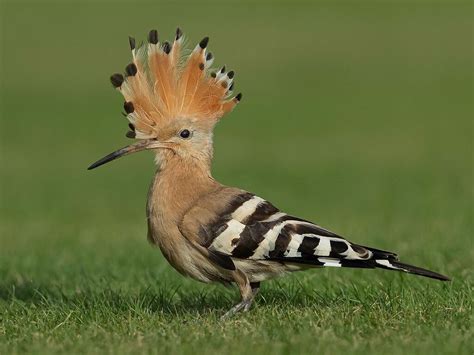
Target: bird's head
172,102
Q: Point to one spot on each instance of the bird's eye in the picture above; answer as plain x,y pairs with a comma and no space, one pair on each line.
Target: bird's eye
185,133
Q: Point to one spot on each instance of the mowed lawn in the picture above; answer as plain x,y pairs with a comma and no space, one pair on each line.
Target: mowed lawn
358,117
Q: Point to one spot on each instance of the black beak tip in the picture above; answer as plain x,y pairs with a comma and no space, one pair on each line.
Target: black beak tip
106,159
95,165
136,147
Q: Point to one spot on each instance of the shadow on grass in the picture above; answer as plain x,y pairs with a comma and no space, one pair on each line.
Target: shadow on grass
163,299
174,300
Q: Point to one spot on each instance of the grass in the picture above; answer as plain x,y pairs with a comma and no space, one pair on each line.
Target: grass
356,117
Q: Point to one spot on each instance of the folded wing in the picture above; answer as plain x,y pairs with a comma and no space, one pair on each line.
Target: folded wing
239,225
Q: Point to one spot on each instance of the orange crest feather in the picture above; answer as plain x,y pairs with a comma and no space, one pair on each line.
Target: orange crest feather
160,86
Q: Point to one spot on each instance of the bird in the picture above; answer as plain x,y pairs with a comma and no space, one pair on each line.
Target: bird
206,230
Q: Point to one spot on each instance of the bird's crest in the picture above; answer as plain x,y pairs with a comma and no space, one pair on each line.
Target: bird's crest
161,85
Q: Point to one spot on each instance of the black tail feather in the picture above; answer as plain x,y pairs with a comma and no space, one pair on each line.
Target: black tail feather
418,271
388,260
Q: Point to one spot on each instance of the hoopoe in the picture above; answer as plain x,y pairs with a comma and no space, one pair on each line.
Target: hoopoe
208,231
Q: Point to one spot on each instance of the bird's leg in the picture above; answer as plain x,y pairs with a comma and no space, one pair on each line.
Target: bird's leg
247,289
255,286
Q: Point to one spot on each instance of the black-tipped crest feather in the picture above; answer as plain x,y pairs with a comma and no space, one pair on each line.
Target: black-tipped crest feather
117,80
204,42
131,69
179,34
131,41
153,37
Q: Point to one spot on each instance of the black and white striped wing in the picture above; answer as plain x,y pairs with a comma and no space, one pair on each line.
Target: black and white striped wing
255,229
233,224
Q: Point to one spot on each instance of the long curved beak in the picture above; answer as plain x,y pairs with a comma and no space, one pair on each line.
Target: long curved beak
132,148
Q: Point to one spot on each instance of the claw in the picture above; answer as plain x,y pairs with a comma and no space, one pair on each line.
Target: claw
243,306
246,303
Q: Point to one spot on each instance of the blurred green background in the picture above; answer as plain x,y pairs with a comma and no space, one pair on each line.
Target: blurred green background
356,115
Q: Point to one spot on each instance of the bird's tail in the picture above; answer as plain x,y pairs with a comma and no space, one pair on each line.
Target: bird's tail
411,269
387,260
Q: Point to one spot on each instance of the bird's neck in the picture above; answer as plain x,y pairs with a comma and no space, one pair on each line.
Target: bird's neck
177,185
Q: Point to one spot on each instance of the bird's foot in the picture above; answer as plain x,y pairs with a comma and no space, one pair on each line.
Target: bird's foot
243,306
